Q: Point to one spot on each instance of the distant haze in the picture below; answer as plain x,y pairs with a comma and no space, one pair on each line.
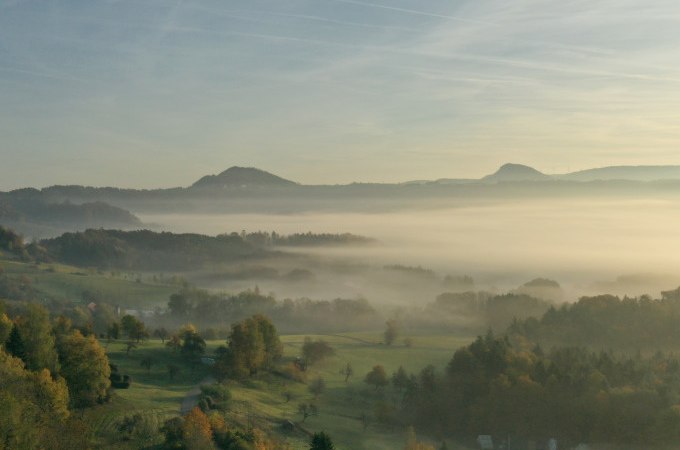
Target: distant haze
584,244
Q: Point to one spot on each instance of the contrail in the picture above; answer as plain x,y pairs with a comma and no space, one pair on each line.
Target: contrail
443,56
233,14
45,75
471,21
439,55
413,11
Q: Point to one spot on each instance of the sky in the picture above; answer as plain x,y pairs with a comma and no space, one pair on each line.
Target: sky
151,93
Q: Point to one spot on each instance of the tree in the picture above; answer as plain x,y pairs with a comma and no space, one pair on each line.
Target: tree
391,332
161,333
130,424
38,339
307,409
103,317
85,367
134,328
147,362
179,305
175,343
272,344
113,332
14,344
130,345
193,345
377,377
321,441
412,442
347,371
427,379
196,431
253,344
317,387
173,431
315,351
400,379
6,326
247,346
33,407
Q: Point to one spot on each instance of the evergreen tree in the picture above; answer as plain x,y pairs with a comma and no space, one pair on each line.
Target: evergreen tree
321,441
15,345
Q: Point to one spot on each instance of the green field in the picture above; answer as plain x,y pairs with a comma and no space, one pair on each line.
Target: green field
60,282
152,394
341,405
261,401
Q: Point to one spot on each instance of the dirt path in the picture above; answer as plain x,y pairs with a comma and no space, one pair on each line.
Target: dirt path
363,341
191,399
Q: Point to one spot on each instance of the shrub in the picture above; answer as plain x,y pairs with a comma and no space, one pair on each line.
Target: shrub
217,391
214,396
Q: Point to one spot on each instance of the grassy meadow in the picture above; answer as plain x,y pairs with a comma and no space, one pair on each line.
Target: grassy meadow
61,282
262,401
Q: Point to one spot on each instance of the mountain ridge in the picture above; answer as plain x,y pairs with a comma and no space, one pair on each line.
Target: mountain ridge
236,176
515,172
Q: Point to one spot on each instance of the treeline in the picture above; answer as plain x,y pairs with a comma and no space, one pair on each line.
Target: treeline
309,239
570,393
480,310
47,370
13,245
606,321
147,250
214,312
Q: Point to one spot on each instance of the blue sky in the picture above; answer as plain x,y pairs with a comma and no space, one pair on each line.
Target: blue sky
149,93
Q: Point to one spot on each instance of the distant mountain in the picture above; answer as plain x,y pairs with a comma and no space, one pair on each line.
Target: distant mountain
515,172
632,173
242,177
41,213
28,212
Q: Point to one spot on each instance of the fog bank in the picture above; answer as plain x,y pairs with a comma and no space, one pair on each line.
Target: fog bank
588,246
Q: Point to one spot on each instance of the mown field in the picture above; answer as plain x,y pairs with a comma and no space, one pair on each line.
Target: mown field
262,402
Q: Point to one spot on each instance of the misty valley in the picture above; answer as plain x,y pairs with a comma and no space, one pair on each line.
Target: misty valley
339,225
518,311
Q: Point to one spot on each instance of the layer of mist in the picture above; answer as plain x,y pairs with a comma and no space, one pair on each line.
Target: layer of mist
622,247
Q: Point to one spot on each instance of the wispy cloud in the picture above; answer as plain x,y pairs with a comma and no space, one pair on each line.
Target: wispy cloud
280,82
